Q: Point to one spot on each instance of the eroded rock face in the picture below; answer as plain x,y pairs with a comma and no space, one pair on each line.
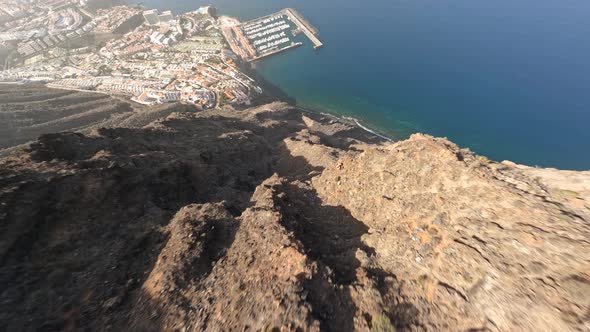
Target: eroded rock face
275,219
483,244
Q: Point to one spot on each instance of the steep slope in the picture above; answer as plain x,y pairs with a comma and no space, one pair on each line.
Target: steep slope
27,111
486,244
276,219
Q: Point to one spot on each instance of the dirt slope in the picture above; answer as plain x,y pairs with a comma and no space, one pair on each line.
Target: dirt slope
27,111
274,219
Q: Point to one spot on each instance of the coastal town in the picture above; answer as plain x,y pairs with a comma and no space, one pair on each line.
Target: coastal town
149,56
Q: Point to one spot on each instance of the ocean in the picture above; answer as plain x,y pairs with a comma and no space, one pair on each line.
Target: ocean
509,79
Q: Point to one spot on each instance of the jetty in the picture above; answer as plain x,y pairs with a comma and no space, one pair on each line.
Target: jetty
309,30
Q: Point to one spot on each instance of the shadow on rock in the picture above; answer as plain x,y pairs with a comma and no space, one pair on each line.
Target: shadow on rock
200,235
331,237
92,235
403,314
86,228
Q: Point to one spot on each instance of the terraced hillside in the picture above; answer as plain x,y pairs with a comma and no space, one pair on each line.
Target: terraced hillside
27,111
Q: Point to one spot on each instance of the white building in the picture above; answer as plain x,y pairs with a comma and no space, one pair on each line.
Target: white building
151,17
166,16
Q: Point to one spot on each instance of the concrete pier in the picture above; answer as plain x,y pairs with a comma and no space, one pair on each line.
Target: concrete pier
304,26
278,50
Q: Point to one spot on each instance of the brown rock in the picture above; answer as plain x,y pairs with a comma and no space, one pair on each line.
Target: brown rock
273,218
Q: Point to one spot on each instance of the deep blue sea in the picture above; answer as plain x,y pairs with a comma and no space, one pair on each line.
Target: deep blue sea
510,79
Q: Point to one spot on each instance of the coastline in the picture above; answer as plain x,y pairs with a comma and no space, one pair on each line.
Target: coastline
275,93
348,120
265,84
497,122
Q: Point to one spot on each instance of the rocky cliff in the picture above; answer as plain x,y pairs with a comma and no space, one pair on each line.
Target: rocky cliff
273,219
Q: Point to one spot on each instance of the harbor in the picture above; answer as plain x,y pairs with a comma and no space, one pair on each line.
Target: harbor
268,35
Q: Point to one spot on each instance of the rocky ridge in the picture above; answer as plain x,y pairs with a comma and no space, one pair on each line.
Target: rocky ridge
274,219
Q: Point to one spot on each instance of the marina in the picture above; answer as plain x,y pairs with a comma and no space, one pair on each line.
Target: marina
268,35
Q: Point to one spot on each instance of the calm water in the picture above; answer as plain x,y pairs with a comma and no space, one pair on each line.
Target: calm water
509,79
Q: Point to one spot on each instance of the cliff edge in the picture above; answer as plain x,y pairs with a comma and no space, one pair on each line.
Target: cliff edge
274,219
